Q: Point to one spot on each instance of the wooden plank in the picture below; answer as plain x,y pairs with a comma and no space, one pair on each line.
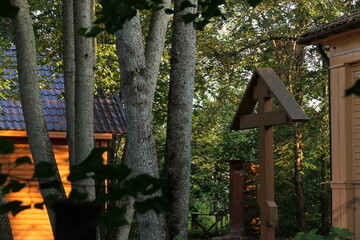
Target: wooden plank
273,118
277,89
282,95
54,135
335,128
246,105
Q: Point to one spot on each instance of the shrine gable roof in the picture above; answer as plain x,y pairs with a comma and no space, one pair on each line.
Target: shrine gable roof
289,107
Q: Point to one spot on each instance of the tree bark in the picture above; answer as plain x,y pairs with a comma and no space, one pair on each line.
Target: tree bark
127,202
179,124
84,92
141,150
38,138
300,206
5,227
139,70
69,74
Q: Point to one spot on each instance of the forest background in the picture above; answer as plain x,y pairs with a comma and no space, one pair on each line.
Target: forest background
228,50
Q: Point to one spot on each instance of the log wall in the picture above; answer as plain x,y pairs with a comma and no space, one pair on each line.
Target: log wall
33,224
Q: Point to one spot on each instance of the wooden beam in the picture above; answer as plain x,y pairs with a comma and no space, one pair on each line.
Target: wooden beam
273,118
52,135
281,94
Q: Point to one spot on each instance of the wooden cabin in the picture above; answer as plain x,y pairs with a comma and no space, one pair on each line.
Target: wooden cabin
343,37
33,224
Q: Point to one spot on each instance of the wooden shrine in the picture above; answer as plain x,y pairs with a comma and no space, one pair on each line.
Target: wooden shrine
342,35
264,86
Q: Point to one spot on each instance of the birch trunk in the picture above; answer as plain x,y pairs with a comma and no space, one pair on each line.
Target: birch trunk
84,92
179,124
139,70
38,138
69,74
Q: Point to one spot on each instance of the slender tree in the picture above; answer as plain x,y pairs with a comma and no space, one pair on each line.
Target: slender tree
69,74
179,124
84,91
38,138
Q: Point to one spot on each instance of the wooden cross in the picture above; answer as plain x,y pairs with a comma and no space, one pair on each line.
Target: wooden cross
264,86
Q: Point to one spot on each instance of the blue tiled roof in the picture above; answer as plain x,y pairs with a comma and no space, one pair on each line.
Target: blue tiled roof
108,112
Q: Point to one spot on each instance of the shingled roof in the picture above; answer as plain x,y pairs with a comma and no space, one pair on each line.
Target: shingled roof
108,112
347,22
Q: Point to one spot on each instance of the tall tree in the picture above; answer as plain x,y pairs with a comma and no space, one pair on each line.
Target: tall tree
84,91
139,71
179,124
69,74
38,138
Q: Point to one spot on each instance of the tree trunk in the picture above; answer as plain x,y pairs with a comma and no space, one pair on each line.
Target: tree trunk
38,138
325,199
69,74
84,92
139,70
122,232
141,149
298,156
179,124
5,227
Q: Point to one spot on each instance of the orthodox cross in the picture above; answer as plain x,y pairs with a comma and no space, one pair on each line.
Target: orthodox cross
263,87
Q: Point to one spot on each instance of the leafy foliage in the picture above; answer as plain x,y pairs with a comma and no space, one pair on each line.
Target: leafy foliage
336,233
355,89
94,168
7,9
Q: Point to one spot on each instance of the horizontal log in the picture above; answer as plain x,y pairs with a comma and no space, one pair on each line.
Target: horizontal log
273,118
16,221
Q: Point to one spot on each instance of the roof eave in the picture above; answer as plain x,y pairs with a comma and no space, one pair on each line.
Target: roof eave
318,37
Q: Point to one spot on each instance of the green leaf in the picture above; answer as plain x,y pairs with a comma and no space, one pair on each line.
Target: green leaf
312,231
201,24
50,199
113,195
254,3
3,179
7,9
355,89
94,159
13,186
39,205
6,146
82,32
19,209
169,11
299,236
77,196
94,31
77,173
143,184
50,184
113,217
14,207
158,204
189,17
186,4
44,170
23,160
109,172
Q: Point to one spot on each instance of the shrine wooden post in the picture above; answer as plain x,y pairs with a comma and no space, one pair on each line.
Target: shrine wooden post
263,87
237,197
